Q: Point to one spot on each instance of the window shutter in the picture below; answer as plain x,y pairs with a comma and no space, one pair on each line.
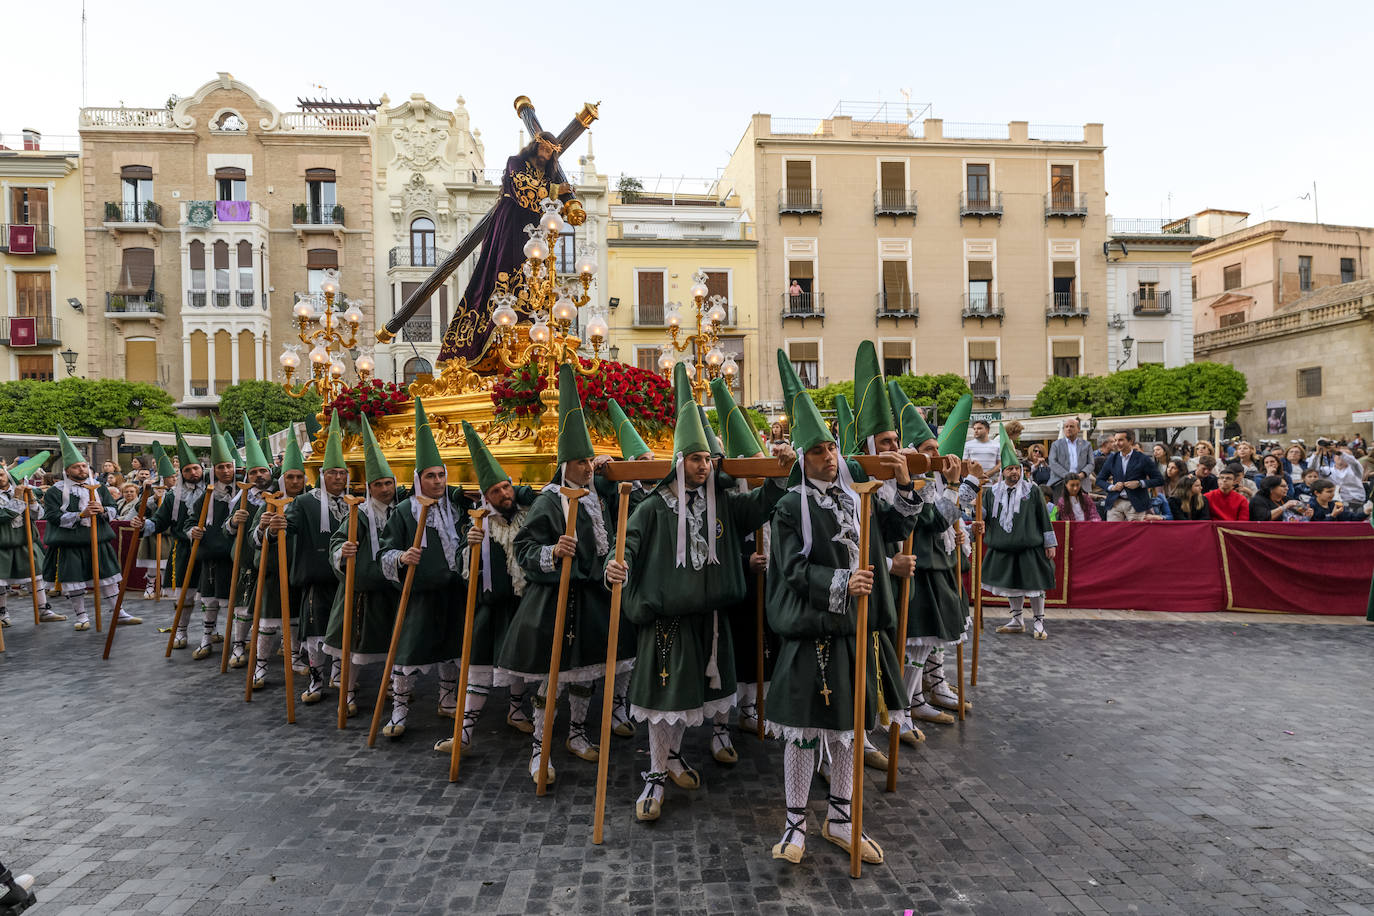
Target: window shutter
982,349
135,272
894,282
1149,351
893,176
1062,348
140,361
897,349
804,351
197,255
798,175
322,259
137,172
650,288
319,174
717,284
221,255
245,253
230,173
980,270
1148,275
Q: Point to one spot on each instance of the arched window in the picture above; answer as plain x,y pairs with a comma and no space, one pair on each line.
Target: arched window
422,242
415,367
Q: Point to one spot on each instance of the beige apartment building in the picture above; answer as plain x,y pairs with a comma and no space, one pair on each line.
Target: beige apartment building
1251,272
205,219
975,249
42,312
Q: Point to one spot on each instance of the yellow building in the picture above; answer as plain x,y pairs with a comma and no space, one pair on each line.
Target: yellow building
42,251
655,244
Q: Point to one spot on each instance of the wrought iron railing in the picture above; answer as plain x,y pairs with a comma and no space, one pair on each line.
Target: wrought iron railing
894,202
133,211
982,386
799,200
47,330
150,303
803,305
44,237
650,315
246,298
897,305
983,305
195,298
222,297
416,256
1066,305
1066,203
1158,303
317,215
417,330
984,203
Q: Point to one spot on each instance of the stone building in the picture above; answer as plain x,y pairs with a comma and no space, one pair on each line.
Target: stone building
205,219
974,249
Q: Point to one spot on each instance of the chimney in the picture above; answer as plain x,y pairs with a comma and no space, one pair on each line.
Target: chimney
32,138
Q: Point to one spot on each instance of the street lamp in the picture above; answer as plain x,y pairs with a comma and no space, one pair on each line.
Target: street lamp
69,357
1126,343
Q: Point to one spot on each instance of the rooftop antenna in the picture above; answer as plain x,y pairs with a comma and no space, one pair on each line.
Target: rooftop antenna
83,53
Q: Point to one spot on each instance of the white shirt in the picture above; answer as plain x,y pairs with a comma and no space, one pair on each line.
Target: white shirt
1073,454
988,453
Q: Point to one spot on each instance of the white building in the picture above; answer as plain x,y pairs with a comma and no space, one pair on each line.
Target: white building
1150,292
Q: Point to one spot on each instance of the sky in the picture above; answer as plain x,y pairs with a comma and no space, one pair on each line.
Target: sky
1205,104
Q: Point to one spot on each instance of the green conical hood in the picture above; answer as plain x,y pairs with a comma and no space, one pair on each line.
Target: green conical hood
872,411
292,460
219,453
333,446
24,470
426,452
574,441
1008,455
70,453
955,431
266,447
689,434
844,422
233,450
682,388
255,456
489,470
808,427
738,438
631,444
184,453
712,440
792,387
375,466
164,464
912,428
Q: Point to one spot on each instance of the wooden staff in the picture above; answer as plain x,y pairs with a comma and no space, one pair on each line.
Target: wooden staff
346,652
856,805
190,568
759,585
257,605
28,537
157,550
560,622
425,502
894,731
95,551
977,576
469,617
234,578
284,599
603,763
128,571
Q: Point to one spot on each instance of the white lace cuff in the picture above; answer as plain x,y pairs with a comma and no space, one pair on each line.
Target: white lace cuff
69,519
390,565
546,558
1050,539
148,526
907,502
839,592
465,560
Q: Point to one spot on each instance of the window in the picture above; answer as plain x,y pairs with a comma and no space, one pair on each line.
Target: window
649,286
245,264
565,252
979,285
231,184
1304,272
718,284
1065,356
135,272
419,327
317,261
979,185
422,242
230,120
892,180
1231,319
1230,276
33,293
1194,286
805,356
29,207
1063,280
415,367
896,291
137,184
196,258
1061,187
1149,353
982,367
1149,292
646,358
1347,270
140,360
1310,382
320,196
896,358
221,254
37,368
798,177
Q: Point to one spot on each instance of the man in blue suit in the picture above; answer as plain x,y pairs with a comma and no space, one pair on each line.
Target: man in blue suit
1126,477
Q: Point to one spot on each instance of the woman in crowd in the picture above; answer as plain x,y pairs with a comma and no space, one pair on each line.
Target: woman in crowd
1036,464
1294,464
1245,457
135,465
1073,504
1160,455
1272,466
1186,503
1271,503
1173,472
1202,448
127,507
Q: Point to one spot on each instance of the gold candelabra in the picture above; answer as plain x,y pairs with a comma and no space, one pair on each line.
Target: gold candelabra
553,304
707,361
327,343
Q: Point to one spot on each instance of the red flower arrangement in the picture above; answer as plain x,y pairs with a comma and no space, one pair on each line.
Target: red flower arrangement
646,397
374,399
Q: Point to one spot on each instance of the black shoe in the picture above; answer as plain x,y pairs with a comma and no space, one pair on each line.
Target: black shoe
18,897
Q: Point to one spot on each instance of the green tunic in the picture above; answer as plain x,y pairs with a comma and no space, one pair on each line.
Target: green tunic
68,559
215,558
1014,561
814,616
937,613
1369,611
374,596
270,582
680,611
14,545
248,559
308,558
743,616
528,647
495,605
433,628
173,517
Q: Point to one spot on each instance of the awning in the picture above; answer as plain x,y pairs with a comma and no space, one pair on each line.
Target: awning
1200,418
146,437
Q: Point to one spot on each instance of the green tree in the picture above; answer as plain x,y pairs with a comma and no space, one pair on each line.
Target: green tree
944,391
267,404
1147,390
630,189
82,406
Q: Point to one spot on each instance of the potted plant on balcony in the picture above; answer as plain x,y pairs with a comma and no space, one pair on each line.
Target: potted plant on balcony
337,215
112,212
149,211
116,304
298,213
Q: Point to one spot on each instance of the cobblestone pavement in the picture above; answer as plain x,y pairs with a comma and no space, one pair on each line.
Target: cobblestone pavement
1198,767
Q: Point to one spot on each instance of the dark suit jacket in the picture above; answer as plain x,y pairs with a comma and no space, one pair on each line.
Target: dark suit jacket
1139,466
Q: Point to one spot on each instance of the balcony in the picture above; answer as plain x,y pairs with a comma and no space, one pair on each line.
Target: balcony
246,298
1153,305
983,306
195,298
894,202
150,306
1066,204
140,213
418,330
987,389
317,215
650,315
799,201
44,239
896,306
1066,305
416,256
980,205
803,306
47,332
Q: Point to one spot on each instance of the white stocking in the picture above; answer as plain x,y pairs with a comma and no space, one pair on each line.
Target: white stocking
79,606
352,681
936,686
401,687
620,708
660,745
542,706
798,763
211,612
240,634
267,644
1037,603
841,787
472,708
1017,604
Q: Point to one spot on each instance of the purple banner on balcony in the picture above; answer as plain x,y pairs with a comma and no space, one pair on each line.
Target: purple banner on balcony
24,332
233,211
23,239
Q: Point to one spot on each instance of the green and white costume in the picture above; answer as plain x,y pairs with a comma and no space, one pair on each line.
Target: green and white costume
14,550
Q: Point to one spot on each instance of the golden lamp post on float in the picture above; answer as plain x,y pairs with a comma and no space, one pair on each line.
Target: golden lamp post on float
327,343
706,361
552,339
